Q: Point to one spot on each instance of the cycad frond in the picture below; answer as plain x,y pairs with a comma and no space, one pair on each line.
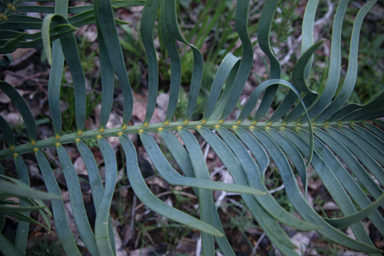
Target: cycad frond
341,142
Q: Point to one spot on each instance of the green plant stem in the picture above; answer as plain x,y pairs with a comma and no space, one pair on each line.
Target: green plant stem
114,132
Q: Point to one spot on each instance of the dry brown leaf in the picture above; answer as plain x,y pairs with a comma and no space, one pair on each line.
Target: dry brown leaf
120,251
4,98
330,206
186,246
13,80
158,182
21,54
80,166
139,109
16,78
13,119
314,184
114,121
302,240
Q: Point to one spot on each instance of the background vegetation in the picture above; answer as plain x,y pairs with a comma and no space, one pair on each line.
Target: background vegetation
210,26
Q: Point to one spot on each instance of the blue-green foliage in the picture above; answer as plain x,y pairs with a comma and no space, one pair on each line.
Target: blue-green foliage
312,126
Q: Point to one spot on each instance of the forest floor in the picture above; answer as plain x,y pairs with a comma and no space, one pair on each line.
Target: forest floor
139,231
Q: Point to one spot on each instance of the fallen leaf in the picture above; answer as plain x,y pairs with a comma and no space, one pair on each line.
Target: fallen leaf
302,240
4,98
330,206
120,251
80,166
13,119
15,78
140,108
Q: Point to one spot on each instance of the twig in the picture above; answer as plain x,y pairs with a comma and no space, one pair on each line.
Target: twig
257,244
23,58
150,238
327,15
276,189
206,151
236,203
198,245
132,221
217,170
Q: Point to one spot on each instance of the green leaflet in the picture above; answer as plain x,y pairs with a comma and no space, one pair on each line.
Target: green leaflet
5,61
292,152
360,112
22,107
16,21
2,215
54,86
174,178
370,148
56,73
76,9
25,40
205,196
298,200
107,81
341,144
71,54
63,231
7,132
24,221
335,62
28,202
96,183
7,209
84,15
249,167
170,45
7,248
251,103
298,80
307,31
263,34
105,20
146,196
102,222
77,203
359,172
22,231
347,153
227,65
349,220
146,31
198,63
353,144
350,78
25,192
332,181
241,22
379,133
269,225
219,108
184,161
371,137
256,149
